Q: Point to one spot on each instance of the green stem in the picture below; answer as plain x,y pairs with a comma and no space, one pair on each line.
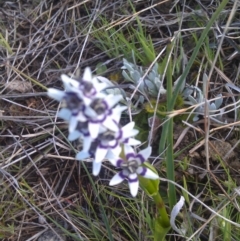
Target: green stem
164,220
151,188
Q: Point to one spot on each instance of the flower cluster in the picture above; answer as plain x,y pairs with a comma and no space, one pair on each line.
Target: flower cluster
94,117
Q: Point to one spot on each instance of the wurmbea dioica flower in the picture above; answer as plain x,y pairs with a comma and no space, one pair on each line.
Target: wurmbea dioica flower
102,114
111,141
131,167
72,105
108,145
77,97
94,118
88,86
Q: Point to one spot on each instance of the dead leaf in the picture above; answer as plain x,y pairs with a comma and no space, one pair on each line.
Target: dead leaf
19,86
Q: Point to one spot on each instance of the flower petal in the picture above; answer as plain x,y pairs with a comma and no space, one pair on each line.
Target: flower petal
114,152
112,100
99,87
132,142
87,75
117,178
128,150
129,133
128,130
82,155
128,126
147,173
105,81
89,112
100,154
72,124
96,168
74,135
146,152
87,141
65,114
110,124
69,83
93,129
133,184
117,111
56,94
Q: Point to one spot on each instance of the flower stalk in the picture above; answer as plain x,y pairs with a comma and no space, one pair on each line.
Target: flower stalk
162,221
94,119
163,218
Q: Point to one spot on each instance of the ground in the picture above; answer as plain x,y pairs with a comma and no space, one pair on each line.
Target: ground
44,190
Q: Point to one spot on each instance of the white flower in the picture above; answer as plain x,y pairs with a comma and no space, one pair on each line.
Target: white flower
87,86
101,113
132,167
81,132
110,142
56,94
107,145
72,106
77,98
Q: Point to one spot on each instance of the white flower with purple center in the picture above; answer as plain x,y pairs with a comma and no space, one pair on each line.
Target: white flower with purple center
72,110
132,167
107,145
76,98
88,86
82,132
110,141
101,113
72,106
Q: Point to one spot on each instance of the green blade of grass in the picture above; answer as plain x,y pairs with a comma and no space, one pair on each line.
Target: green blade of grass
169,158
196,50
166,137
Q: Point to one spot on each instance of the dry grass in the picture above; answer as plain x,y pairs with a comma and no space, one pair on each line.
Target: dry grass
42,186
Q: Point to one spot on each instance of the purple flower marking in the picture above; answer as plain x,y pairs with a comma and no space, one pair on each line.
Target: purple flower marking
143,171
72,102
87,88
132,180
139,158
